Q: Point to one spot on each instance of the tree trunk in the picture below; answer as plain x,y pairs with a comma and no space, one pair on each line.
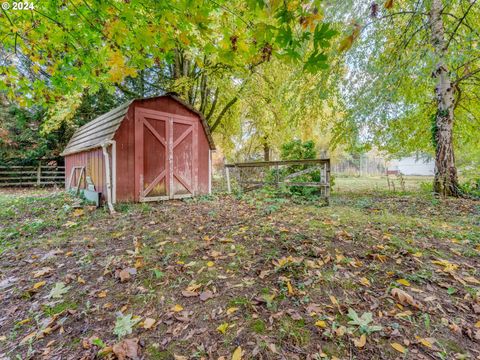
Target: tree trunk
446,181
266,151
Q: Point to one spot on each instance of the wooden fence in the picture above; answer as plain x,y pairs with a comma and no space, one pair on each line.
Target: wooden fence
252,175
32,175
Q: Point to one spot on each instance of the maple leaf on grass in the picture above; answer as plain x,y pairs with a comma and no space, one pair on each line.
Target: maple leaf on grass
363,322
124,325
58,290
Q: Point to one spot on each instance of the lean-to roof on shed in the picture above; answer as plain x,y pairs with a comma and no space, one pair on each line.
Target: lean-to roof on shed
96,132
102,129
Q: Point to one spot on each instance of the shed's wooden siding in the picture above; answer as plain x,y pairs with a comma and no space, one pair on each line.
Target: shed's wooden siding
93,162
125,162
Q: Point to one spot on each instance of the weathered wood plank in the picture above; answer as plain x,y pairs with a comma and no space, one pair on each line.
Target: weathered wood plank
311,184
303,172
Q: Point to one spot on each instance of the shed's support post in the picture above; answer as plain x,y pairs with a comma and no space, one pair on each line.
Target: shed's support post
39,173
107,176
114,171
227,174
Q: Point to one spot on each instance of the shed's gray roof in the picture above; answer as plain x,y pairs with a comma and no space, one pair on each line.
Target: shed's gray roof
102,129
96,132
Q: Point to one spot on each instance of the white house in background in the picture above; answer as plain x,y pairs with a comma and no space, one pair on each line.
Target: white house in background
413,165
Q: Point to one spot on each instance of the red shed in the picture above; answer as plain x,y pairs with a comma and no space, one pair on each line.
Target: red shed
144,150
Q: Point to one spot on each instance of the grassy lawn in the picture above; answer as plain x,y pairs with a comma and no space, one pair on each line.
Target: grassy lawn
375,275
379,183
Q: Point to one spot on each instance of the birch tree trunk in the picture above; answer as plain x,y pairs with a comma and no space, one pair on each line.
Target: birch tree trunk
446,181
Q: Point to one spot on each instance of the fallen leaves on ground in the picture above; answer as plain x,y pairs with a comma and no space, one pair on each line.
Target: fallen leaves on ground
404,298
127,349
148,323
232,276
237,354
361,341
398,347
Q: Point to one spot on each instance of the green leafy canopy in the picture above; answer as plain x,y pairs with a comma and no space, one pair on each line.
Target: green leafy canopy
66,48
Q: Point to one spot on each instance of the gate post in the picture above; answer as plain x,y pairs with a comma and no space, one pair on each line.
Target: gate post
39,173
227,174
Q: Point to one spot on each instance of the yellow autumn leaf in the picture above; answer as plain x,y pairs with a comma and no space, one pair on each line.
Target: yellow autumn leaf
223,328
334,300
39,284
364,281
42,272
237,354
24,321
118,68
210,264
477,324
424,342
447,265
417,254
102,294
340,331
78,212
404,282
398,347
360,342
231,310
193,286
404,314
139,262
177,308
321,324
148,323
290,288
105,351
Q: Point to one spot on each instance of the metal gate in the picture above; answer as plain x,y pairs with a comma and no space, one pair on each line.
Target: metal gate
165,155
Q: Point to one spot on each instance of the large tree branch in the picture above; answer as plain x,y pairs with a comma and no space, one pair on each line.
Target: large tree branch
223,112
127,91
466,76
392,15
233,101
214,104
459,23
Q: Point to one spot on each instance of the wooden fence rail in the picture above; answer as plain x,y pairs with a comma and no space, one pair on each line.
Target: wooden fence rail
252,175
31,175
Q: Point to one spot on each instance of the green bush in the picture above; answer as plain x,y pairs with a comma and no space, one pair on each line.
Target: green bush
471,187
298,150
